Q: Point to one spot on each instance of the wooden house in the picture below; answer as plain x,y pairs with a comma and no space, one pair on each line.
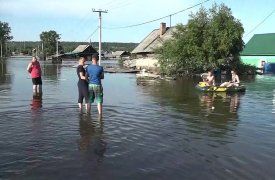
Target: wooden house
121,54
81,51
154,40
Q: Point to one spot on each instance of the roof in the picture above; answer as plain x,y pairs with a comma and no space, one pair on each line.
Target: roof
80,48
83,50
153,40
260,44
118,53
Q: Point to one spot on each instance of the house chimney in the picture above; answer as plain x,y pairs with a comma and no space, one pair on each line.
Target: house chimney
162,29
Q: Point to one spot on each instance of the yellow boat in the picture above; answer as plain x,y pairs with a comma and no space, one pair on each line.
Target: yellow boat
203,87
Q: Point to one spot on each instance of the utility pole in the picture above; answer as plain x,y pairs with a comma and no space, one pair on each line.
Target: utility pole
170,16
42,47
1,49
99,43
56,48
6,49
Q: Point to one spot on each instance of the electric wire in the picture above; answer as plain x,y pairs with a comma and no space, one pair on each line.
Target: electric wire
91,34
147,22
114,4
258,25
121,5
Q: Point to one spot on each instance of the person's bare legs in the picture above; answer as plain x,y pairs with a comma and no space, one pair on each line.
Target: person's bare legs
34,87
80,107
230,85
88,108
40,89
99,108
225,84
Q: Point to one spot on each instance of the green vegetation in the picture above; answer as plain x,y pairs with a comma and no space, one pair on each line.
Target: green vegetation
211,39
26,47
49,40
47,45
5,36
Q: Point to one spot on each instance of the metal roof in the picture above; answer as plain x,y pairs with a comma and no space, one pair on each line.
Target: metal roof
259,45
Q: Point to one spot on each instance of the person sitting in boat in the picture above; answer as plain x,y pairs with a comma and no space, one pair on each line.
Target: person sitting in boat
235,81
210,79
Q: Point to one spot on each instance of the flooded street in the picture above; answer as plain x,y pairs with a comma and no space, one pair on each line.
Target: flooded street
149,130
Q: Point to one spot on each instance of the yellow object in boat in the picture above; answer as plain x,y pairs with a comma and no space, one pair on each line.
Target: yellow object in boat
203,87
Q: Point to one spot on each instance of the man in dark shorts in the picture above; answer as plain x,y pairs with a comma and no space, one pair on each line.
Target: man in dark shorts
35,70
82,86
95,74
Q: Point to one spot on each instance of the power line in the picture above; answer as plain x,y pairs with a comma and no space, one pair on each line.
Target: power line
109,4
260,23
114,4
122,5
92,34
147,22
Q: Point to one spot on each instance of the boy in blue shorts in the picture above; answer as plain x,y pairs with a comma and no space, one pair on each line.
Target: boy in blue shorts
95,73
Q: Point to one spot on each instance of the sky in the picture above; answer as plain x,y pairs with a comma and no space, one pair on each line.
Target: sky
74,20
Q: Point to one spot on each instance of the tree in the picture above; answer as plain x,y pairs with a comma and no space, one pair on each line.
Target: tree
5,36
211,39
49,39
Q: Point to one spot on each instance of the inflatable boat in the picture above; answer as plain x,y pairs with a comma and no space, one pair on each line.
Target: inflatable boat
203,87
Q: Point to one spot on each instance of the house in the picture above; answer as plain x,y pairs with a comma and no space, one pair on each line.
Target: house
81,50
84,50
260,49
120,54
154,40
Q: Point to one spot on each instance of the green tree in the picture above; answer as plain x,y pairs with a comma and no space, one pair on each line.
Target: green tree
49,39
211,39
5,36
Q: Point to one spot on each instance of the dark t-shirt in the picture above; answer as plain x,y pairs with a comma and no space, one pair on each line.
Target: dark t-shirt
80,69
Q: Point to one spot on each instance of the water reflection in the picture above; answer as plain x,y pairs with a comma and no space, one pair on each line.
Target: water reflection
91,137
51,71
5,83
5,78
215,114
36,101
232,101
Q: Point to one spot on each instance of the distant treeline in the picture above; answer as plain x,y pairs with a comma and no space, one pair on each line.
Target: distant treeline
26,47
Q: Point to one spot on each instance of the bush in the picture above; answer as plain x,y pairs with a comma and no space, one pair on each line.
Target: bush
206,42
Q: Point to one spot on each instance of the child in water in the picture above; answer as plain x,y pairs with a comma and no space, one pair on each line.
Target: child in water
210,79
235,81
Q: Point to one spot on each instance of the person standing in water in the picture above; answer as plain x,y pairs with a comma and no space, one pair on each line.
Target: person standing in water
95,73
82,86
35,70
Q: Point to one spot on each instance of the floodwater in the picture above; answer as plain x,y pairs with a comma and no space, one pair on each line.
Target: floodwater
149,130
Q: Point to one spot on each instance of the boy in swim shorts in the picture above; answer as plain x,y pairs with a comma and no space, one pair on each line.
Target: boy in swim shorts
95,73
